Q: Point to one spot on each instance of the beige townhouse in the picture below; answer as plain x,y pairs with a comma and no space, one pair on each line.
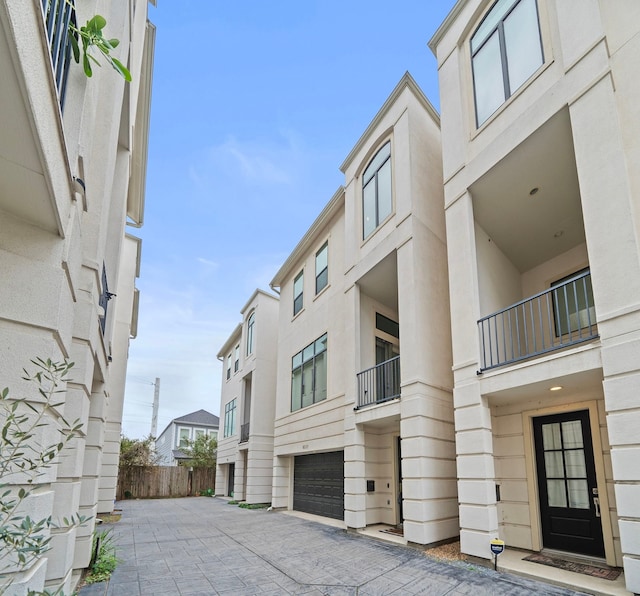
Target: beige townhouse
540,129
72,177
364,418
247,403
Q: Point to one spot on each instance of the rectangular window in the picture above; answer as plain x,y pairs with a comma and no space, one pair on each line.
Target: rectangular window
377,201
229,366
322,267
573,303
230,418
298,286
200,433
506,50
309,375
236,363
387,325
183,437
250,327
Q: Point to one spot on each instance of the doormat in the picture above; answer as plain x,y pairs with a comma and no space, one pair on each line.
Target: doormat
396,531
601,572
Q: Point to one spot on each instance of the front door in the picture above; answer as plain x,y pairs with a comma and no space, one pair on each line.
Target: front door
231,480
569,504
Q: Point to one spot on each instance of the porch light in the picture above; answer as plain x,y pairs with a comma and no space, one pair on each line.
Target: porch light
556,388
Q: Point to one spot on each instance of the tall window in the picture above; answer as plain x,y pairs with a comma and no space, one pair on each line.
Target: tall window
309,375
183,437
506,49
230,418
250,326
322,267
298,286
236,363
376,191
229,366
573,303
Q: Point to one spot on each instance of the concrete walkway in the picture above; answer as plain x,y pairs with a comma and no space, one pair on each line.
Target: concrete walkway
204,546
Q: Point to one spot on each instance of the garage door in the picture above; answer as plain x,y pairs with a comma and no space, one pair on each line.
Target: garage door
318,484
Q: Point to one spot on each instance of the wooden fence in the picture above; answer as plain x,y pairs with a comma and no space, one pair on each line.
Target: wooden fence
162,482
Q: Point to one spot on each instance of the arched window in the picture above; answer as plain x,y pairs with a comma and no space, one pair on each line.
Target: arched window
250,326
506,50
376,191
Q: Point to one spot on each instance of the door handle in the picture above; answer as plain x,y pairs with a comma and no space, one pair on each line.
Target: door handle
596,504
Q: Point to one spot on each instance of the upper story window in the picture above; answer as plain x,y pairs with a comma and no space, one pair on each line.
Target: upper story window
309,375
250,328
322,267
229,366
298,285
236,363
376,191
506,50
184,435
230,418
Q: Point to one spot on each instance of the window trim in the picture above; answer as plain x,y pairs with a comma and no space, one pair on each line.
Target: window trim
300,367
324,247
251,322
179,438
374,177
504,63
230,409
300,295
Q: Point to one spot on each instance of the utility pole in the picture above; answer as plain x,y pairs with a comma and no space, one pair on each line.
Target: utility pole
156,403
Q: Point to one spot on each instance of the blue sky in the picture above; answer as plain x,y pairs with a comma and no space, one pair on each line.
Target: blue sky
255,106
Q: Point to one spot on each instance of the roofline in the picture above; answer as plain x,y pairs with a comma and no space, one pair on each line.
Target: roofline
406,81
331,208
436,38
237,332
253,297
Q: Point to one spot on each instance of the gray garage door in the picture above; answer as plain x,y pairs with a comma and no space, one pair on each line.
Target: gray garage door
318,484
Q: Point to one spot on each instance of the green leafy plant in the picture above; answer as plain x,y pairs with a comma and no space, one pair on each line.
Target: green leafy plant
207,493
201,452
92,36
23,458
254,505
104,561
138,452
232,502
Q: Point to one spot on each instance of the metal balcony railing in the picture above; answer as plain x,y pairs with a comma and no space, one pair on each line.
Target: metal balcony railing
57,16
561,316
244,432
379,383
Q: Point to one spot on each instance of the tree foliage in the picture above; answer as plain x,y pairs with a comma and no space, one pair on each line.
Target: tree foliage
201,452
24,458
138,452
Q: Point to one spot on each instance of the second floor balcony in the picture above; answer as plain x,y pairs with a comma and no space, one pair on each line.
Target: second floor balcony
562,316
379,384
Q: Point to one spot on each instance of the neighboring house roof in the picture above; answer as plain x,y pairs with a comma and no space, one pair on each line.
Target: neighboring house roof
200,417
179,454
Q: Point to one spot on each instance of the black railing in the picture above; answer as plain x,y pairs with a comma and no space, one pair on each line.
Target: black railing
244,432
58,14
561,316
379,383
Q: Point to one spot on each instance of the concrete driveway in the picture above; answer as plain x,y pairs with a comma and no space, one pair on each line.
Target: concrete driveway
203,546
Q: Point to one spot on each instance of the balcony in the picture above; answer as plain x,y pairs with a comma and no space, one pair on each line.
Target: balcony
58,14
244,432
559,317
379,384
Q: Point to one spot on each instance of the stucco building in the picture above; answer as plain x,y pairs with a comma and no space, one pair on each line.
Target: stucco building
247,403
540,129
364,416
72,176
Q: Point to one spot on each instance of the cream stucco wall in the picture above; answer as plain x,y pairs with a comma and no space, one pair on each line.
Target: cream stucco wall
588,73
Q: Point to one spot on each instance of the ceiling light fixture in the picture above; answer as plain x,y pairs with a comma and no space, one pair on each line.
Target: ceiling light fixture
556,388
533,191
